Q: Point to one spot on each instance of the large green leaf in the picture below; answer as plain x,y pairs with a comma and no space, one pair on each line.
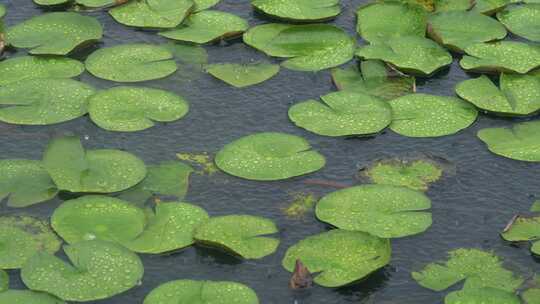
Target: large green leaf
269,156
310,47
201,292
50,2
54,33
422,115
299,10
243,235
43,101
522,20
98,270
524,229
504,56
416,174
152,13
101,171
520,142
204,4
30,67
187,52
531,296
489,7
243,75
481,296
410,54
4,281
339,256
131,63
453,5
342,113
100,3
28,297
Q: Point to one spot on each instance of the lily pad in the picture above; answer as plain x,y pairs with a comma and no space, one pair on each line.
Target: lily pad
410,54
243,235
4,281
22,237
458,29
422,115
482,295
131,62
524,229
518,95
339,256
98,270
204,4
342,113
130,109
416,174
152,13
100,3
310,47
56,33
535,207
299,10
28,297
453,5
520,142
374,78
25,182
381,21
187,53
203,292
269,156
503,56
531,296
2,10
489,7
207,26
100,171
243,75
31,67
522,20
43,101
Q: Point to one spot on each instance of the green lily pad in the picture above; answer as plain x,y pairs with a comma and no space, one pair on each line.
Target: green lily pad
243,75
22,237
489,7
187,53
152,13
30,67
98,270
43,101
98,217
56,33
25,182
310,47
269,156
410,54
458,29
99,3
203,292
503,56
207,26
171,227
531,296
518,95
4,281
385,211
453,5
373,78
523,229
422,115
299,10
520,142
535,207
204,4
342,113
50,2
478,268
522,20
131,63
100,171
28,297
339,256
130,109
481,295
416,174
2,10
381,21
243,235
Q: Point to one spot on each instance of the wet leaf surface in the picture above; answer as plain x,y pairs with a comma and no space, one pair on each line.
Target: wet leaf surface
243,75
519,142
31,67
416,174
522,20
28,297
482,295
299,10
504,56
152,13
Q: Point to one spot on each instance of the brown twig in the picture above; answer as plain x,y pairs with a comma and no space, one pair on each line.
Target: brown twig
510,223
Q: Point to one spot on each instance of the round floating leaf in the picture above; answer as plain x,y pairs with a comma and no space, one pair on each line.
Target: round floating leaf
43,101
54,33
244,235
100,171
481,295
30,67
22,237
489,7
531,296
339,256
504,56
523,229
522,20
518,95
269,156
299,10
422,115
453,5
4,281
131,62
521,142
207,26
27,297
50,2
130,109
204,4
379,22
415,175
382,210
311,47
152,13
342,113
410,54
99,270
25,182
171,227
243,75
203,292
99,3
187,53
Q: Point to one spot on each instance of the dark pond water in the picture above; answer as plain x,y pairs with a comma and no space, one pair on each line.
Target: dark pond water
470,206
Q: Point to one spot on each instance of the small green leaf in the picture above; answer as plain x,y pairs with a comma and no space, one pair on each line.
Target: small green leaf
453,5
416,175
522,20
299,10
152,13
531,296
187,53
520,142
523,229
489,7
98,3
2,10
51,2
28,297
204,4
535,207
4,281
243,75
504,56
31,67
481,295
